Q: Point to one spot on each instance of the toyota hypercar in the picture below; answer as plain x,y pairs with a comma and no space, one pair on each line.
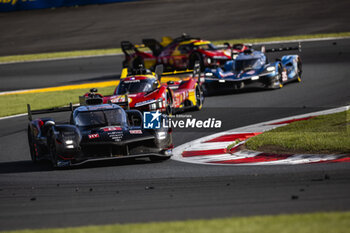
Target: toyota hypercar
93,133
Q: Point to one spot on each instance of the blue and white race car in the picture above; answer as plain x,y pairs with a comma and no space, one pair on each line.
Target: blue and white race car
251,68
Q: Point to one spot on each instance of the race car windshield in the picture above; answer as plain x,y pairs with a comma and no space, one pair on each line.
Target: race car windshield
247,64
99,118
135,86
209,47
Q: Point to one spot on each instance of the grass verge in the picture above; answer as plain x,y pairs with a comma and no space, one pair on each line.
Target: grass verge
15,104
96,52
322,134
59,55
335,222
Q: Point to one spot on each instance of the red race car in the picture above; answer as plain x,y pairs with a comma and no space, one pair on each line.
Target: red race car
178,54
143,90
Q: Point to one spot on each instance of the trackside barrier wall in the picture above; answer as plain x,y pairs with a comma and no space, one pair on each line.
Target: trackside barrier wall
18,5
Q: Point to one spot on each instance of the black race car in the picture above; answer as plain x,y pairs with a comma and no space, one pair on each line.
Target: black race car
95,132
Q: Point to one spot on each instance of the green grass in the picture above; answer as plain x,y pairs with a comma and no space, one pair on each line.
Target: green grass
55,55
15,104
336,222
322,134
32,57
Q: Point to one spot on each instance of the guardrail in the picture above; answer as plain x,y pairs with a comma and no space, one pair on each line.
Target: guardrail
18,5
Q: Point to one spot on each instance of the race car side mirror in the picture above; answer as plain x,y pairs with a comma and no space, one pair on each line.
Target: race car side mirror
49,123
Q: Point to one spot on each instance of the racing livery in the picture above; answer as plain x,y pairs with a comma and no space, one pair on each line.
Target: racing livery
252,68
95,132
144,91
179,53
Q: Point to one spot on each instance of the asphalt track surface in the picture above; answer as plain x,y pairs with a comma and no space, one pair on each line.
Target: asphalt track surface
35,196
105,26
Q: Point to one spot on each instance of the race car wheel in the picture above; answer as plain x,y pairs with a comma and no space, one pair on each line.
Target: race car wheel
300,70
199,99
169,102
31,146
196,57
53,151
276,82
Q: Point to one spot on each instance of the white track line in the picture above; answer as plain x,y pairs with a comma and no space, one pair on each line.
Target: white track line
260,127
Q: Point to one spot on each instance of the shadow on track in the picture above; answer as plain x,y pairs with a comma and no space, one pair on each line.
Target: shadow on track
42,166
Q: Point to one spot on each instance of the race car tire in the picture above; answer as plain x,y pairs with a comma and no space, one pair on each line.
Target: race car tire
31,145
158,159
276,82
53,151
299,71
199,99
169,102
196,57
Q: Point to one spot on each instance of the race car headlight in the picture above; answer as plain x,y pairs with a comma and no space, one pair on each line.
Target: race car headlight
69,142
208,74
161,135
208,60
271,68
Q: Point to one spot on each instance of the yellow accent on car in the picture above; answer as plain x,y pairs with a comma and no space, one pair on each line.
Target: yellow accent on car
124,73
202,42
149,63
166,40
192,97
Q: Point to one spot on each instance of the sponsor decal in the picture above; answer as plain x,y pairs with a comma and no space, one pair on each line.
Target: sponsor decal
152,120
111,129
132,81
92,136
115,135
145,102
135,131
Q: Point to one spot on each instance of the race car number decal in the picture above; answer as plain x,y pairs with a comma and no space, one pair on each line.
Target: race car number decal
92,136
284,76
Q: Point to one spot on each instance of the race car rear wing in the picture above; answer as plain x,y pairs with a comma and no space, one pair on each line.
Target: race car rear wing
128,48
154,45
281,49
69,108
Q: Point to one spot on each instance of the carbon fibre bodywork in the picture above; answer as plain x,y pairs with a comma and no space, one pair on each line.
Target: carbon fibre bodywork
253,68
97,132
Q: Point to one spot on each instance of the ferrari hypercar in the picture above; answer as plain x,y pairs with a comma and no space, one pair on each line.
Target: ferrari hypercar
93,133
178,54
143,90
251,68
